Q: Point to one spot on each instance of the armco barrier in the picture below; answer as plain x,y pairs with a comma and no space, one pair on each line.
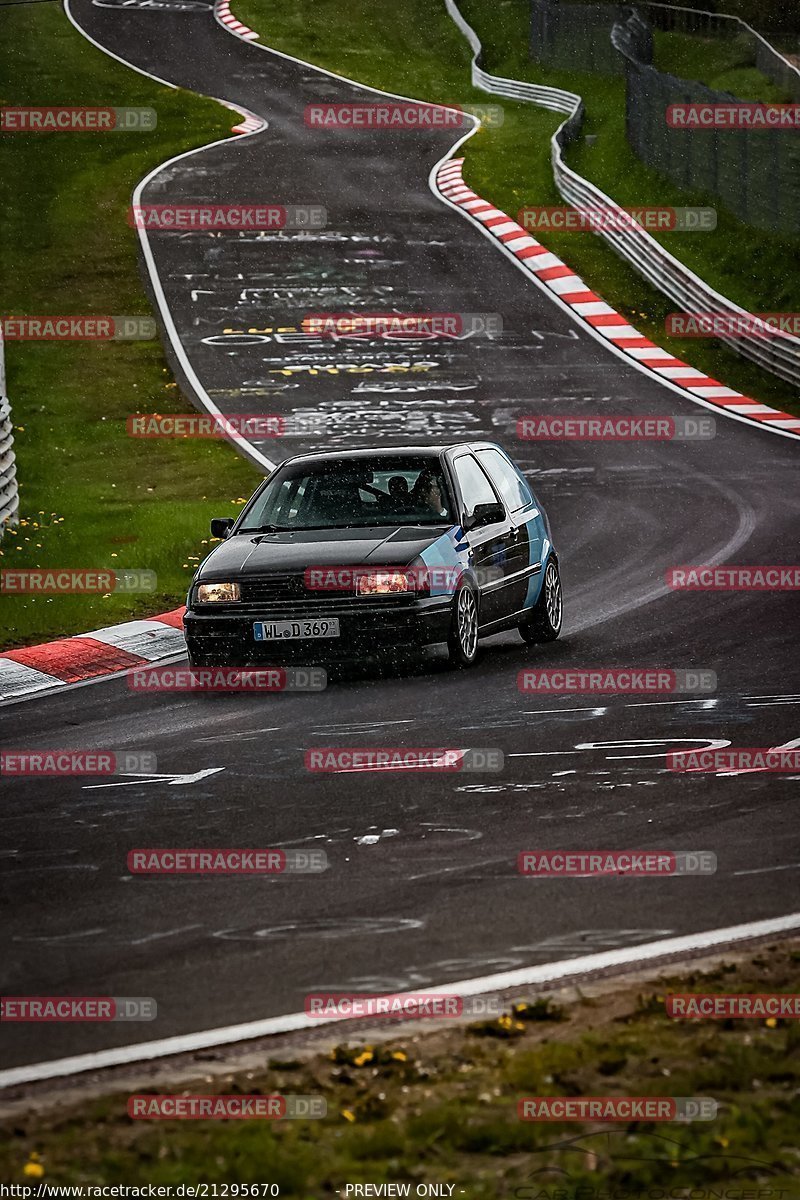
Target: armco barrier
9,497
577,37
755,173
780,355
769,61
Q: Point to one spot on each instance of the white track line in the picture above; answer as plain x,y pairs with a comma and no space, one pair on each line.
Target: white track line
576,317
632,956
202,395
546,973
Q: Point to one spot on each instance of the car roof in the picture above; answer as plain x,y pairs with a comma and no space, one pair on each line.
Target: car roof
388,452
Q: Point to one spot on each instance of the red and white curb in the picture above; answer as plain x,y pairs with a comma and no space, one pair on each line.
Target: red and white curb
91,655
222,11
250,124
562,281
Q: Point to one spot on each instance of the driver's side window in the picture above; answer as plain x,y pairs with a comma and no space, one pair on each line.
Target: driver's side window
474,484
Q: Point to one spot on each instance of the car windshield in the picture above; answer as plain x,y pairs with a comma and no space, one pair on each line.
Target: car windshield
349,493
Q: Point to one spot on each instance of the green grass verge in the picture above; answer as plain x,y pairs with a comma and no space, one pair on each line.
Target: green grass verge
727,66
421,53
90,496
774,18
441,1107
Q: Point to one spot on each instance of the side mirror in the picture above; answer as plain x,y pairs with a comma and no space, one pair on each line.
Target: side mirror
221,526
486,514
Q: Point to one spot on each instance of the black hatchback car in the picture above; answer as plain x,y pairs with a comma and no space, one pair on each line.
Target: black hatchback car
345,555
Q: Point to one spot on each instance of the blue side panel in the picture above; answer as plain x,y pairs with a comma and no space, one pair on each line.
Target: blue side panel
447,551
538,550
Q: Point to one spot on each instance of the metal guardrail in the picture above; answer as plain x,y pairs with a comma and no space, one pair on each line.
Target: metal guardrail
769,61
513,89
9,496
779,355
754,173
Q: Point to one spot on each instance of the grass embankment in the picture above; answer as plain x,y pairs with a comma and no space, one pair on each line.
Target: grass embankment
91,496
419,52
441,1107
726,66
774,18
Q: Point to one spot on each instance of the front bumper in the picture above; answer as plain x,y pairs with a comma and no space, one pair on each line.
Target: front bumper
367,631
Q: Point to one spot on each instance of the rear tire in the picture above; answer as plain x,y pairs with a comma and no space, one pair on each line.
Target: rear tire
543,624
462,642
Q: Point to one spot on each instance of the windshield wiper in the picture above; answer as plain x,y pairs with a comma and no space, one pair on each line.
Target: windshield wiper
266,529
344,525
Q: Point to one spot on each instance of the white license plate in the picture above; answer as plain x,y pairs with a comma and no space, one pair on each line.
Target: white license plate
278,631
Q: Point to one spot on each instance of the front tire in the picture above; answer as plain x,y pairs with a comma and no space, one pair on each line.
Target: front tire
546,617
462,642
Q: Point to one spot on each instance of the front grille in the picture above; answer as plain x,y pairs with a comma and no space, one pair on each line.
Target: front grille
289,591
274,589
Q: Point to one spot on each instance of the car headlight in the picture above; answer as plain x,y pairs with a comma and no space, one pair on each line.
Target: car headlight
217,593
382,583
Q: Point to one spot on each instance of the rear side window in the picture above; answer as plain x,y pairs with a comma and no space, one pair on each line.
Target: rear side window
512,486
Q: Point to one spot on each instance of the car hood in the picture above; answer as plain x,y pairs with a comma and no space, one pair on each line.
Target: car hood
258,554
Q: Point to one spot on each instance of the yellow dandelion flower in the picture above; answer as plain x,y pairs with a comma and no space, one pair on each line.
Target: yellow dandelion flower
771,1023
365,1057
399,1056
348,1115
33,1169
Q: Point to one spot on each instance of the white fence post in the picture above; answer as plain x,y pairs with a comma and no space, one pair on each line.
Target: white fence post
9,496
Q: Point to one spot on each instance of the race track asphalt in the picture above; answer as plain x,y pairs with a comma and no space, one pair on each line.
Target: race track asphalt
422,885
